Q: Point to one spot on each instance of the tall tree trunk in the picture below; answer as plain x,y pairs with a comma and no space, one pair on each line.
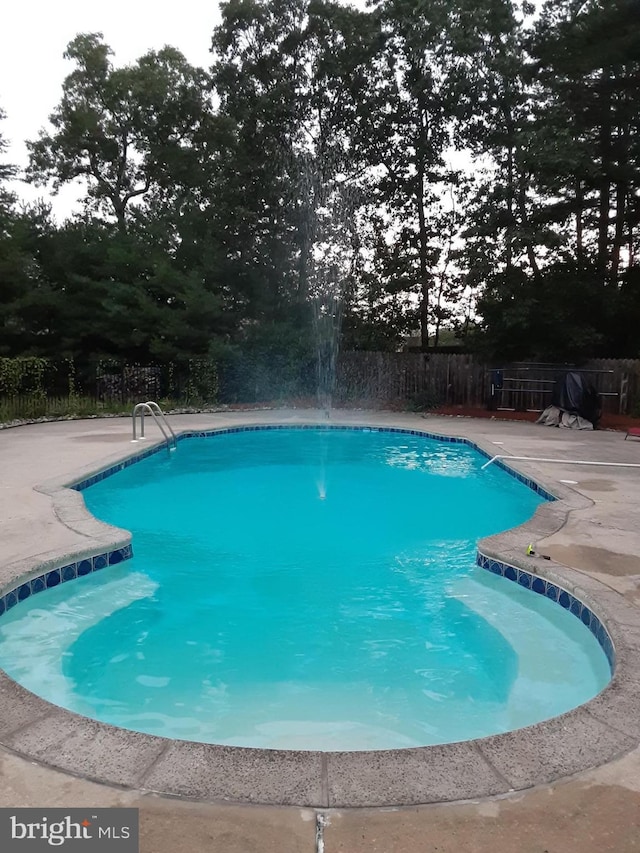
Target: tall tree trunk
579,189
423,236
524,224
120,208
630,240
424,267
622,156
605,166
507,114
510,204
618,239
436,336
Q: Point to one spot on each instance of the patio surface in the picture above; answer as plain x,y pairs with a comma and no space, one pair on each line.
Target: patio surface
589,805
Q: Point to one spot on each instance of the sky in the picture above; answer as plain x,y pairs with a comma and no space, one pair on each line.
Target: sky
33,38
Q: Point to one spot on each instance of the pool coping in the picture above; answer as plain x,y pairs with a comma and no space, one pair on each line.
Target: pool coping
590,735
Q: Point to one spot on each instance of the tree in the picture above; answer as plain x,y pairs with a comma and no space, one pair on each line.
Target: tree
123,130
16,262
587,67
579,147
406,124
287,72
96,292
7,172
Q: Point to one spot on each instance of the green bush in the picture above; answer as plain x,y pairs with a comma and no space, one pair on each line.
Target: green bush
422,401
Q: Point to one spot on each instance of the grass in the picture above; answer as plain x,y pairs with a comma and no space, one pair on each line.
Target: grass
33,407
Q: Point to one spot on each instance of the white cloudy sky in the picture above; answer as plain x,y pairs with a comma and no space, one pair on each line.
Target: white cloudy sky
33,37
35,33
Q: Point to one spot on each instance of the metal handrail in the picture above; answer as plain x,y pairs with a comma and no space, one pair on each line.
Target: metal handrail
163,418
561,461
159,417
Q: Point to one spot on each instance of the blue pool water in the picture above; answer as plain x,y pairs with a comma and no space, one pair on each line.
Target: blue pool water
311,589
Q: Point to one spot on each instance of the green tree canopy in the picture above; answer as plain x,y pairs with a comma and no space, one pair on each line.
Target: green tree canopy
123,130
415,159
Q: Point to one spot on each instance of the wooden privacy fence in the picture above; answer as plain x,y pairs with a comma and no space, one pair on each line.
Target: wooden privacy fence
462,379
31,388
447,378
619,376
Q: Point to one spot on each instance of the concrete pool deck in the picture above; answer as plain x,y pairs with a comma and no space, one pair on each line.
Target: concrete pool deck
570,783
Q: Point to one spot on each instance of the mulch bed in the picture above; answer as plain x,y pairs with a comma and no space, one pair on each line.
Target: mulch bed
608,421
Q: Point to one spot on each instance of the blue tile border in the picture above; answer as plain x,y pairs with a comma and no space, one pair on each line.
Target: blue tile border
214,433
62,574
582,739
542,586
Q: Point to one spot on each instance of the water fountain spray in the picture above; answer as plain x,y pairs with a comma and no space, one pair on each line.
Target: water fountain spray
331,260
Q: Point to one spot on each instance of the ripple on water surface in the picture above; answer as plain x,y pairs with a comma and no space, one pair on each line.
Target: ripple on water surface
306,589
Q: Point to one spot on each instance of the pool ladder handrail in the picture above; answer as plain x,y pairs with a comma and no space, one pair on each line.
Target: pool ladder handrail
159,417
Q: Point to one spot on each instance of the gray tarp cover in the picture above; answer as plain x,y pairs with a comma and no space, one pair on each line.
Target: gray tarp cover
553,416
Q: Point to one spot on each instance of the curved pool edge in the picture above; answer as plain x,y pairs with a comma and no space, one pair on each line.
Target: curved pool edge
583,738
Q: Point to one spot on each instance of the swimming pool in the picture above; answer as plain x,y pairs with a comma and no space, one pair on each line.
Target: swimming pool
312,589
